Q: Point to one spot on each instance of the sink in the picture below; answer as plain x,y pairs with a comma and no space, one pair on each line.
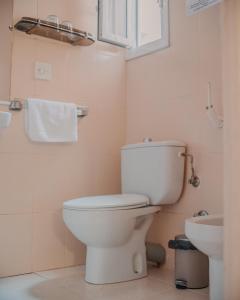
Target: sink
206,234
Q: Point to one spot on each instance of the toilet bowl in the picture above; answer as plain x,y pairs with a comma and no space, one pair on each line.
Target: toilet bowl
114,227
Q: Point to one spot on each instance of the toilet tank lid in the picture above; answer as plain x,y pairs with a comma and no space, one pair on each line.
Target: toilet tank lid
167,143
121,201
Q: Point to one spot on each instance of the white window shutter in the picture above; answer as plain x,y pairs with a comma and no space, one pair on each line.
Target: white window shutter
113,22
159,44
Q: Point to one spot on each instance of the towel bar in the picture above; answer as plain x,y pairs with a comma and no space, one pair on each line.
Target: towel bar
17,105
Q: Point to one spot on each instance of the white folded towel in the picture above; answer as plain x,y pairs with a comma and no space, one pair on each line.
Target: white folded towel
51,121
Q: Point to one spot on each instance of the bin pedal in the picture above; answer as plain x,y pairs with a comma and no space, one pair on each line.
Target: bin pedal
181,284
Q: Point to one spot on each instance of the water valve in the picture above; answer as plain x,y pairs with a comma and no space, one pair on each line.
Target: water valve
194,179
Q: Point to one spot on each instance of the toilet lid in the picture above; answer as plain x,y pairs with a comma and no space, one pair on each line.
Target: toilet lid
123,201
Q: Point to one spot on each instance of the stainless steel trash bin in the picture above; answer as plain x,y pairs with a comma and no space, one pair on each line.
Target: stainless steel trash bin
191,265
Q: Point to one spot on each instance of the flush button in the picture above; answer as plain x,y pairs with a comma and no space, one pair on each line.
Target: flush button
147,140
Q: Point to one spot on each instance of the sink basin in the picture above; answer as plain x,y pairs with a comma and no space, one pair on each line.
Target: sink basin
206,234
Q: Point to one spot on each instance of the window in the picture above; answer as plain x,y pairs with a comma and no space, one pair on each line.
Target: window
141,26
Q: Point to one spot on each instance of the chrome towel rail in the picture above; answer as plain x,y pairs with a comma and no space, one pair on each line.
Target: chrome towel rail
18,105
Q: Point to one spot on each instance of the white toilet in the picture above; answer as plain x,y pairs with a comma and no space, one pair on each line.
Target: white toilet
114,227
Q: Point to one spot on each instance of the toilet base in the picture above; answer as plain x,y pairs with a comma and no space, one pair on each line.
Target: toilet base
120,263
112,265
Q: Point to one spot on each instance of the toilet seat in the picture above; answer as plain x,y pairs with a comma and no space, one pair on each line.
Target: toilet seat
108,202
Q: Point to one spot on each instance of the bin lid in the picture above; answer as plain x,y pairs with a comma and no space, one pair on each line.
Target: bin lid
181,237
181,242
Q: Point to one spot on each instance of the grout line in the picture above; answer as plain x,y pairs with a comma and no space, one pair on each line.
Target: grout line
41,276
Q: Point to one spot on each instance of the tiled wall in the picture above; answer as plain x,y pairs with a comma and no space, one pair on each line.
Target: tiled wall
231,96
37,178
166,99
5,48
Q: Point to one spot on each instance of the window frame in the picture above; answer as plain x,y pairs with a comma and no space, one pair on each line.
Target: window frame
130,43
160,44
103,27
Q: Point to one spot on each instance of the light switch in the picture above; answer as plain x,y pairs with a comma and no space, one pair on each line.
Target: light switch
43,71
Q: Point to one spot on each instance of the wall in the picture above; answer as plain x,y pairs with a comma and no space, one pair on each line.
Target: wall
231,94
166,99
37,178
5,48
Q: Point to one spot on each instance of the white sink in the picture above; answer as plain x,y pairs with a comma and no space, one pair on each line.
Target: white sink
206,234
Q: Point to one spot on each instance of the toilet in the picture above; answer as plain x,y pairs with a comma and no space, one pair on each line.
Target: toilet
114,227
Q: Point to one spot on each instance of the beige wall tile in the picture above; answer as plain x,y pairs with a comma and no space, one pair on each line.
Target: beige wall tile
16,244
24,8
174,89
166,99
164,228
209,195
6,7
16,184
75,251
39,177
48,249
231,93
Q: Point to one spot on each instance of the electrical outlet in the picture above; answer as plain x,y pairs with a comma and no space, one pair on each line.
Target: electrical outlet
43,71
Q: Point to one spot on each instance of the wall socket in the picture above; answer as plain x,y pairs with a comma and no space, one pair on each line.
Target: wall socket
43,71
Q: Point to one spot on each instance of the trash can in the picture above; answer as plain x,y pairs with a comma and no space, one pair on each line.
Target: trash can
191,265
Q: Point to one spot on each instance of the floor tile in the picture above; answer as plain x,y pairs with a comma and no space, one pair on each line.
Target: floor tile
181,295
167,275
19,287
51,290
69,284
162,274
136,289
200,291
65,272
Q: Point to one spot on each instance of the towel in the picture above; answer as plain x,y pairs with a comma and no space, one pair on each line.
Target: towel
51,121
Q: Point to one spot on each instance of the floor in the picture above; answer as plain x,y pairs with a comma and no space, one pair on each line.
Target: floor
69,284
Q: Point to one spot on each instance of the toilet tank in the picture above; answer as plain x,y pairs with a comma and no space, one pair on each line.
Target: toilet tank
154,169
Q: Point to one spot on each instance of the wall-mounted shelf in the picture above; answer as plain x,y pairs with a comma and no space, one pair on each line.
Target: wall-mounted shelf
54,31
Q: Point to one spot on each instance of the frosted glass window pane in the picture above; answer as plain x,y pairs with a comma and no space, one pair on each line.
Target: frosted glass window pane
118,15
149,21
